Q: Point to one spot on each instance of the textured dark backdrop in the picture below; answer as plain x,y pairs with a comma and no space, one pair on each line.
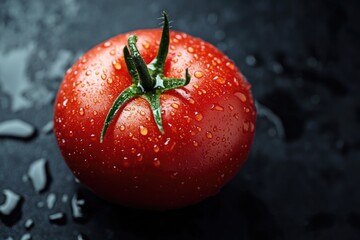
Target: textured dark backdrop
302,59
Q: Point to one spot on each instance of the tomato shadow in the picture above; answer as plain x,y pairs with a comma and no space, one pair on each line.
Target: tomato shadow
232,214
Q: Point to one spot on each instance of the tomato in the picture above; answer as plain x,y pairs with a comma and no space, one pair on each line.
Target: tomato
155,127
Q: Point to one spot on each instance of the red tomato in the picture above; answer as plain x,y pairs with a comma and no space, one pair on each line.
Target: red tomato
160,157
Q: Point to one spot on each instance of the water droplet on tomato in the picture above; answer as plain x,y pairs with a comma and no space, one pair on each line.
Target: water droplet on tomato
246,126
191,100
88,73
122,127
198,74
217,107
103,76
219,80
252,127
143,130
156,148
231,107
175,105
81,111
116,65
112,52
198,116
156,162
146,44
93,137
107,44
92,121
95,113
139,157
209,135
195,143
190,49
241,96
109,80
230,65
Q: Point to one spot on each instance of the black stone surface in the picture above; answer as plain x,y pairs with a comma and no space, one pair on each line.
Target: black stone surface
302,59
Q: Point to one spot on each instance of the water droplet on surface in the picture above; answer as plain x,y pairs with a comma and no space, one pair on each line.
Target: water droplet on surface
50,200
198,116
190,49
122,127
143,130
38,175
209,135
277,68
48,127
78,208
198,74
88,73
195,143
251,60
212,18
26,236
109,80
10,209
29,223
81,236
81,111
103,76
58,218
16,129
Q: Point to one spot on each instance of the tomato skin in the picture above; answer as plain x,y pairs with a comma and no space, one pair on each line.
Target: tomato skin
208,124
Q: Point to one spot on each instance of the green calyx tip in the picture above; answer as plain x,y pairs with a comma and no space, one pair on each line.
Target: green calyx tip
148,80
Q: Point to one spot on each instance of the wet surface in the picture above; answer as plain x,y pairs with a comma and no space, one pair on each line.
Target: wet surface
301,179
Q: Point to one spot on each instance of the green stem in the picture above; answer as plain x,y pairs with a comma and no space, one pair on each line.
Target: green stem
144,76
148,81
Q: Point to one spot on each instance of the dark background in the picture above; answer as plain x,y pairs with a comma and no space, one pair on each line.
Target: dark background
302,178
